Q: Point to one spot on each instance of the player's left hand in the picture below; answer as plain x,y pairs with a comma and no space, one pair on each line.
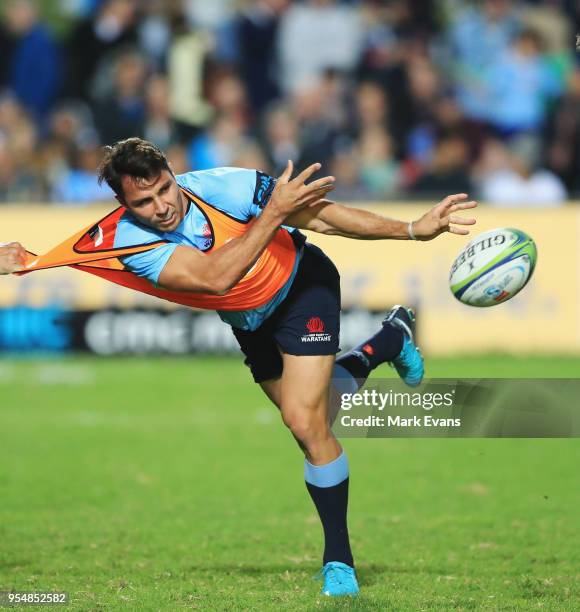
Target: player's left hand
441,218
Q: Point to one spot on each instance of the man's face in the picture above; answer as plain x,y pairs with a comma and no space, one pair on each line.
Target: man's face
156,202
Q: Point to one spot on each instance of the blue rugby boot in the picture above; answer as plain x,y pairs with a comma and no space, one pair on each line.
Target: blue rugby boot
339,580
409,362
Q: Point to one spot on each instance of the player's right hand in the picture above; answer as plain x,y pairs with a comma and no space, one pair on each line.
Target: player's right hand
293,194
12,258
441,218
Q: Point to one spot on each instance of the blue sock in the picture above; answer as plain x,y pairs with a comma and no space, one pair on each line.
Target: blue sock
328,488
343,381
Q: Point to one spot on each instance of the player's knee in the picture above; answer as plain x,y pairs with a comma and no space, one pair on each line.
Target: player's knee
305,425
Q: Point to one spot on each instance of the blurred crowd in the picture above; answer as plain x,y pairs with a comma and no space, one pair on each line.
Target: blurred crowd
399,99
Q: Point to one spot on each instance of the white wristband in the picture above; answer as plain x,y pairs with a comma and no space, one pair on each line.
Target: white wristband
410,231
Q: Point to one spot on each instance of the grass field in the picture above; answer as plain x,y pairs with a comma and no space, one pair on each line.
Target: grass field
161,484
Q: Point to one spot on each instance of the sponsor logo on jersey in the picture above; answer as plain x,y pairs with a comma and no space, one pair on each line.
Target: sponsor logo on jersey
264,186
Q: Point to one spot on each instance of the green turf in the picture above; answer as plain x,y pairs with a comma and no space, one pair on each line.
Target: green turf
161,484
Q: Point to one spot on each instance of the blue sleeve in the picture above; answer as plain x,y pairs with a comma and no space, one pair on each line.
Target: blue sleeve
149,264
238,192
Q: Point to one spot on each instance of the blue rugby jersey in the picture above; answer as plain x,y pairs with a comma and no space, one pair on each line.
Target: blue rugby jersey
241,194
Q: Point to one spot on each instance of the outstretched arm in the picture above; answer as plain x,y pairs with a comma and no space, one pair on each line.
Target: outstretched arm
338,220
217,272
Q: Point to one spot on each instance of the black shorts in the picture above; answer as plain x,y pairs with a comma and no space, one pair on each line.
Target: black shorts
307,322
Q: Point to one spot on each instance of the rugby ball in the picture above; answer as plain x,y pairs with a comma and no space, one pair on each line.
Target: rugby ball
493,267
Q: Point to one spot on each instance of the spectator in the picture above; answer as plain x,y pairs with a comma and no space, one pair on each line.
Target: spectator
154,31
70,127
318,130
251,156
520,85
6,44
187,68
380,47
93,39
281,137
380,173
257,31
19,180
16,184
346,168
371,109
371,106
363,86
477,38
316,35
387,45
158,127
516,182
227,96
425,90
77,183
564,133
71,123
121,113
448,171
422,139
218,145
34,63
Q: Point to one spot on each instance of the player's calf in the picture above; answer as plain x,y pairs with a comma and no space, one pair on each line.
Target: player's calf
311,430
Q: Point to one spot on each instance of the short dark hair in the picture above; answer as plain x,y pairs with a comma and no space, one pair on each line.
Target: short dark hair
133,157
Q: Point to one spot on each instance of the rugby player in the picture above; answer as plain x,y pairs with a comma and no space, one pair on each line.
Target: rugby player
231,237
